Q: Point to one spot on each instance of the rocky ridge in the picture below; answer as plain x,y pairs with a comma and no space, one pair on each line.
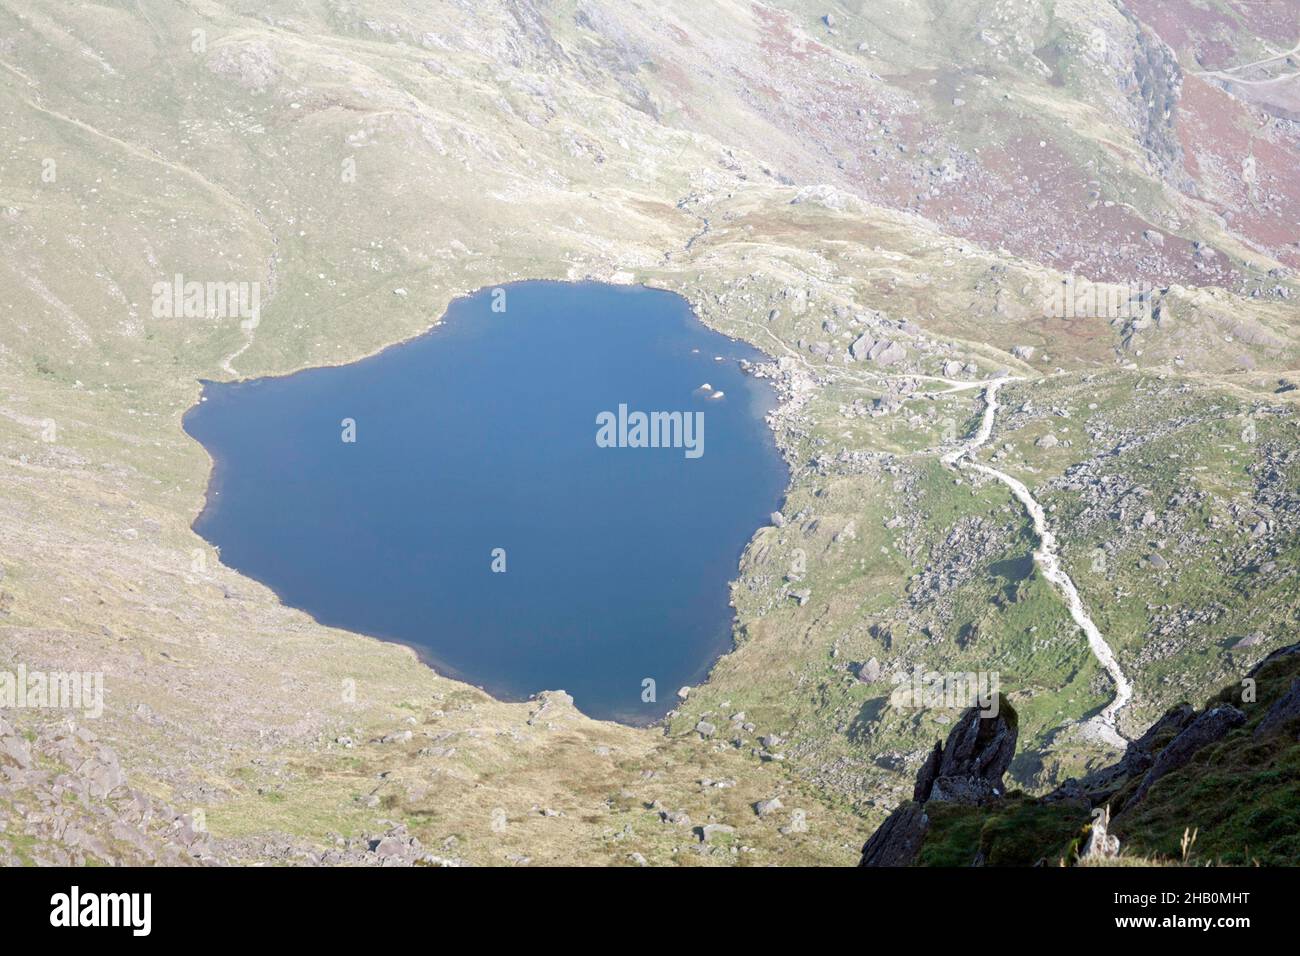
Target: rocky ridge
1256,723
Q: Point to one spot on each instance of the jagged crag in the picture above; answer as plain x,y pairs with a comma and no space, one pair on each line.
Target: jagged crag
1227,773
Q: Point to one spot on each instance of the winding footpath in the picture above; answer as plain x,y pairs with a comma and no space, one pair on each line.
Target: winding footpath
1230,74
1101,726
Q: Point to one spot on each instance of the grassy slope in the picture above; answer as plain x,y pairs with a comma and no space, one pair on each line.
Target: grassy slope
482,155
1237,796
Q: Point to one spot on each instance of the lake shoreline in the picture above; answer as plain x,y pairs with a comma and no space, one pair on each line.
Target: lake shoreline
778,397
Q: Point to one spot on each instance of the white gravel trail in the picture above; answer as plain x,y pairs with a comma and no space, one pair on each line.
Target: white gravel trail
1103,725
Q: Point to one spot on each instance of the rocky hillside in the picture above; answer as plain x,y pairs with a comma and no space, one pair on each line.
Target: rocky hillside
1215,785
891,199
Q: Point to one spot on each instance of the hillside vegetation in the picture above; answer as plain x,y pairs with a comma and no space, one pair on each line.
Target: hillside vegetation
880,196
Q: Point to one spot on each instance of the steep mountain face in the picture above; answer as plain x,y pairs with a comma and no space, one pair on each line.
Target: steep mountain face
895,201
1209,786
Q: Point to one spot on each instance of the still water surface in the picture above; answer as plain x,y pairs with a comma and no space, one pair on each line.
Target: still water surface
482,435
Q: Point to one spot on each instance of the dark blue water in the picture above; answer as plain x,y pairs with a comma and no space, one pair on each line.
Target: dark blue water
481,435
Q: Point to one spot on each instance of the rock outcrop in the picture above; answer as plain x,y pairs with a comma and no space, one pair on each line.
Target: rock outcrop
969,767
899,838
1141,753
1206,729
881,351
966,769
1246,736
67,802
1284,713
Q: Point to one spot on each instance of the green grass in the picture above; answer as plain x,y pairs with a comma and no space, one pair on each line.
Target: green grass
1015,832
1239,794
